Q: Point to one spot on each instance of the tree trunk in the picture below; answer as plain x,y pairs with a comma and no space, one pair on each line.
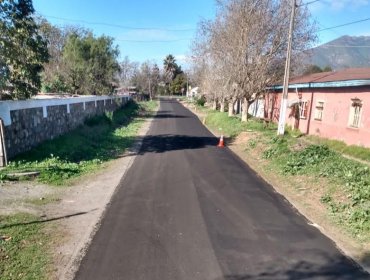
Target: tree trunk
245,110
231,107
222,105
214,105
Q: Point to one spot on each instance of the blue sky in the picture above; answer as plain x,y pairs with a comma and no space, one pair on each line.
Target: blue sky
172,23
330,13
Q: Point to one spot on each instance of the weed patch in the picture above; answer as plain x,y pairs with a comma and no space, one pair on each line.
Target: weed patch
353,178
358,152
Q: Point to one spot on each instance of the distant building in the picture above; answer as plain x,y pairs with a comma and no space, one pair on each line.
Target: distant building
130,90
334,105
193,92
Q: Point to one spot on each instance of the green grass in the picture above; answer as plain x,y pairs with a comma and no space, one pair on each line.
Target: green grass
25,255
83,150
358,152
232,126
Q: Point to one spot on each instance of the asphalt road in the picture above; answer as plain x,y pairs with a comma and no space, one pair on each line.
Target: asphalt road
188,210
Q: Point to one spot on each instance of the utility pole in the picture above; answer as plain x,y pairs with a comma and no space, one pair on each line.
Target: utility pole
187,85
150,90
284,101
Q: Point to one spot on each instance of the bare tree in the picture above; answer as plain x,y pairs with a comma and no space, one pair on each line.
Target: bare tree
247,43
146,78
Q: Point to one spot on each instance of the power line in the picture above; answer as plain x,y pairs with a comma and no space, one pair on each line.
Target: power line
308,3
344,24
333,31
153,41
339,46
118,26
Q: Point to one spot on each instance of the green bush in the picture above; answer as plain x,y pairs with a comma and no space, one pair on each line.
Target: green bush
200,101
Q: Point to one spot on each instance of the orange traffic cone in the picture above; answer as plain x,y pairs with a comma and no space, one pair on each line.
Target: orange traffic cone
221,143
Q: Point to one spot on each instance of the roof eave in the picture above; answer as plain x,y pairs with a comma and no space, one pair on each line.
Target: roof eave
333,84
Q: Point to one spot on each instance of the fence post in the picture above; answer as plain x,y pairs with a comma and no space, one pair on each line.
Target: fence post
3,158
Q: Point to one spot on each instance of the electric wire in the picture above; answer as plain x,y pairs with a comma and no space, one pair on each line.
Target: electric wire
344,24
342,46
153,41
117,25
308,3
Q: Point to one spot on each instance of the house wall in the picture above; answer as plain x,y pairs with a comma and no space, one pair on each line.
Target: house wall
336,113
28,123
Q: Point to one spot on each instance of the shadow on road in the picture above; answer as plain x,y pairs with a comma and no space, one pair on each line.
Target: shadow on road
168,142
161,115
339,268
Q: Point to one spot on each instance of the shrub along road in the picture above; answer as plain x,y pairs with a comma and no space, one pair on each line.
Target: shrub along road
189,210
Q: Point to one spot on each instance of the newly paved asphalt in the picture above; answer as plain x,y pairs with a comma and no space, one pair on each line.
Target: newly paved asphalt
188,210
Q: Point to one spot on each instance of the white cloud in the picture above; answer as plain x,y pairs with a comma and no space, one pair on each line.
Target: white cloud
181,58
338,5
362,33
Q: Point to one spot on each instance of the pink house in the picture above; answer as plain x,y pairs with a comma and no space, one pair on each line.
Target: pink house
334,105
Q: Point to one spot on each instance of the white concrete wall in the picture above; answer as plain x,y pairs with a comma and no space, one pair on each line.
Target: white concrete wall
256,109
7,106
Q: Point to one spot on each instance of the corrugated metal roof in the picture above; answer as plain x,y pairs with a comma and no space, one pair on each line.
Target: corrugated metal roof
341,78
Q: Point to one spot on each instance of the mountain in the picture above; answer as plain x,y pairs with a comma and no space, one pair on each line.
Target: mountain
343,52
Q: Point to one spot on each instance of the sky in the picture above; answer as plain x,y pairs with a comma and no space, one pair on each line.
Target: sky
151,29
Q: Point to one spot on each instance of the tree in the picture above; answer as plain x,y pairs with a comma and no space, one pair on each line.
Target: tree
147,79
178,85
171,70
312,69
127,71
91,64
170,67
54,74
246,44
327,69
155,80
22,50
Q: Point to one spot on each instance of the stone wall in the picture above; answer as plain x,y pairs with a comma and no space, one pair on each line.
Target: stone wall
30,122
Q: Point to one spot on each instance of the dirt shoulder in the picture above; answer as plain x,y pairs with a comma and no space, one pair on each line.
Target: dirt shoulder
302,192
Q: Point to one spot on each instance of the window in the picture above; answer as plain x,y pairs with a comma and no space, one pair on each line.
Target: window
319,110
355,113
303,106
